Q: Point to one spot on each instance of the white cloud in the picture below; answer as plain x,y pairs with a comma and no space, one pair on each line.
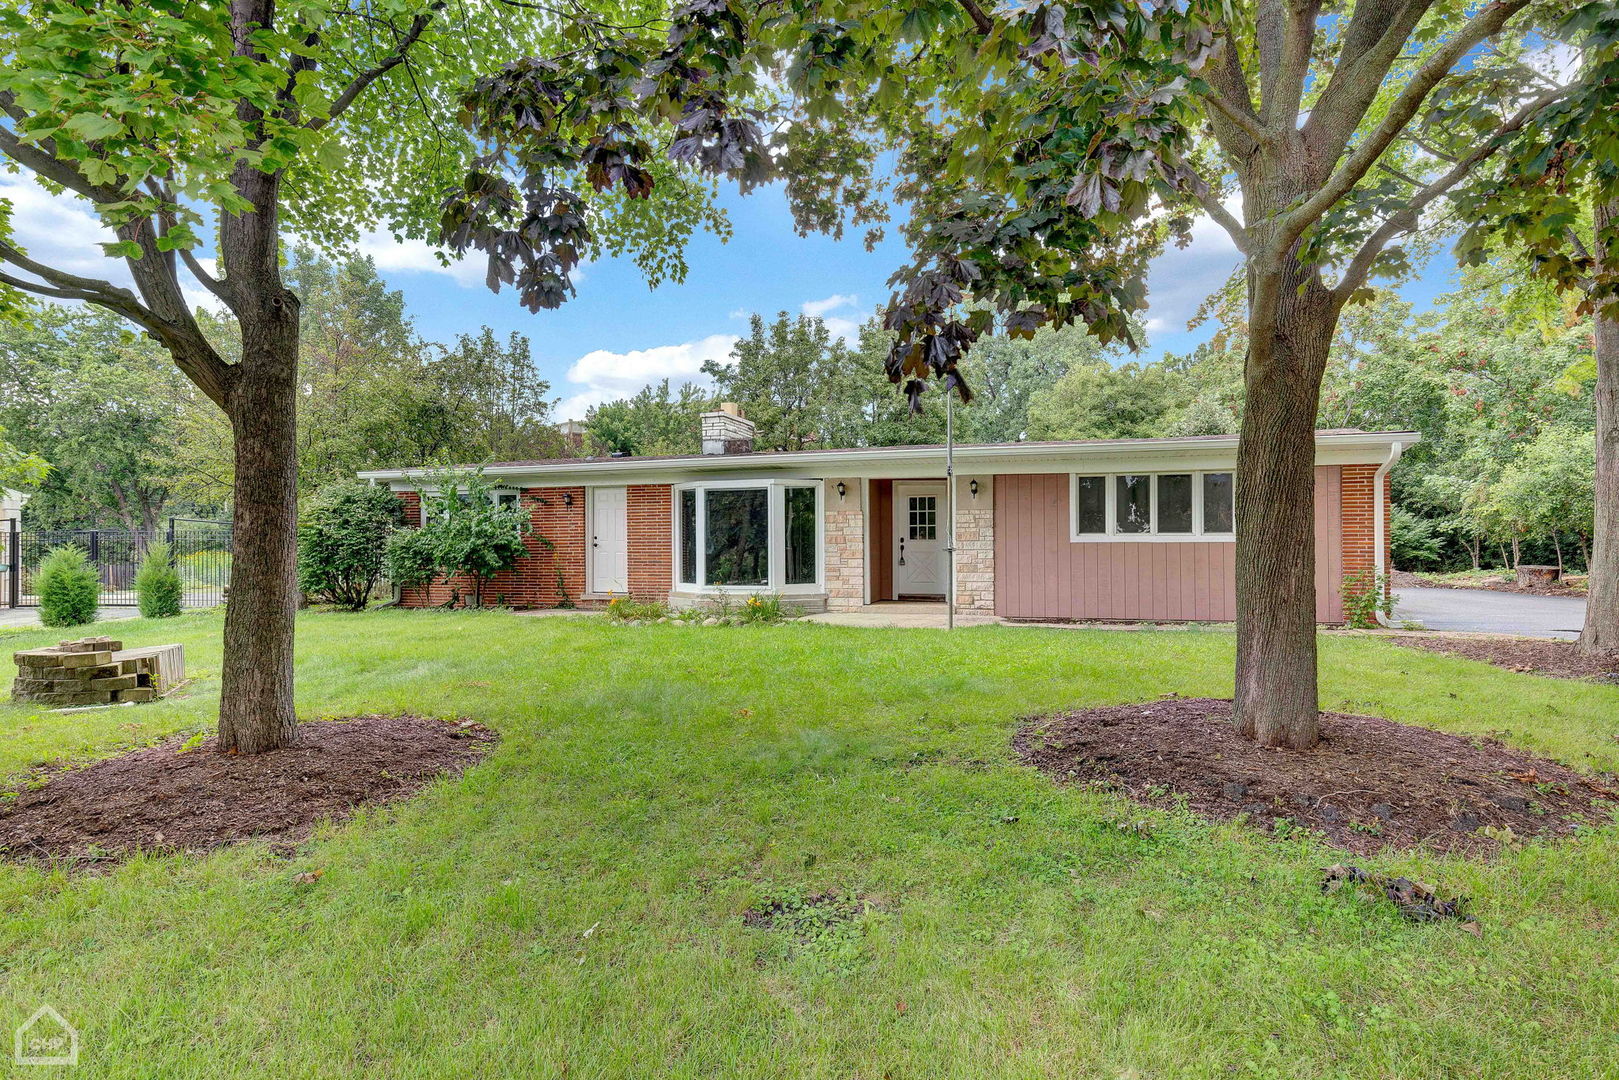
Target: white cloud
420,257
601,376
1179,280
838,326
63,232
814,308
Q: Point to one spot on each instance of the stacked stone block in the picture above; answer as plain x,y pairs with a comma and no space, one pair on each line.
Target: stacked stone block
95,671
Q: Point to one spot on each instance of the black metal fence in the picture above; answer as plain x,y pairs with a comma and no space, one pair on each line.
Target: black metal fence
202,553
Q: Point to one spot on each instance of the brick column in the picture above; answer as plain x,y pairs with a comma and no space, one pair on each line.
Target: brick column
845,531
1356,503
975,545
651,529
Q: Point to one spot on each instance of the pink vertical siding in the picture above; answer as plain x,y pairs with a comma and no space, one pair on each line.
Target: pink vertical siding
1040,574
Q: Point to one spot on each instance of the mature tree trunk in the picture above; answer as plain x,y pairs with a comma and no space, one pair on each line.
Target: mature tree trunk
1276,700
256,703
1601,632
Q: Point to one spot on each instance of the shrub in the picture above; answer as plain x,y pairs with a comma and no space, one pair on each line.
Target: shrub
158,588
69,588
410,557
342,540
1365,594
626,609
466,533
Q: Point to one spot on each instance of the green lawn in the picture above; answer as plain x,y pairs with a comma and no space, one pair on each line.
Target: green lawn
572,907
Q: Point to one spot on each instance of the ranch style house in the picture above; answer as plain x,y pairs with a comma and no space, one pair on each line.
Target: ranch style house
1089,529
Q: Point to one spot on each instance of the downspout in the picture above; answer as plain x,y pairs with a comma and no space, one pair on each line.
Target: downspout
1379,528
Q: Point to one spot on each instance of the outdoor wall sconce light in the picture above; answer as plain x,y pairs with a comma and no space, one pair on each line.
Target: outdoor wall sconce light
842,489
567,498
973,487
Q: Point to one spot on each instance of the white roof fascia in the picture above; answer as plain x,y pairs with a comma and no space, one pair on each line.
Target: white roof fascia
904,462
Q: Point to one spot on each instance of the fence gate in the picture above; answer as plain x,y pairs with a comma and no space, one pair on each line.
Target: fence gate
202,553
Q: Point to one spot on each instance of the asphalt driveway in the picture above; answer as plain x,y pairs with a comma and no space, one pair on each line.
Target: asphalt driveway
1482,610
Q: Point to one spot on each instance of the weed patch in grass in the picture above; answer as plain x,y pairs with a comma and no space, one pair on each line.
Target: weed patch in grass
826,929
182,795
1371,784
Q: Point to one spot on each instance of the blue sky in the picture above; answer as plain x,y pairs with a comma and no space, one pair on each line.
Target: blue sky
616,335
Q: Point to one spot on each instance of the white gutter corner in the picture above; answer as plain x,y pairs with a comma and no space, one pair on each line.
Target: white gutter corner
1379,526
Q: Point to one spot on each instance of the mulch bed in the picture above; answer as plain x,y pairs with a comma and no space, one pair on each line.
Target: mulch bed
171,798
1402,579
1371,783
1537,656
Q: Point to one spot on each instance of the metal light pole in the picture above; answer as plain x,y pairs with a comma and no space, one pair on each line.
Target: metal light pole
950,509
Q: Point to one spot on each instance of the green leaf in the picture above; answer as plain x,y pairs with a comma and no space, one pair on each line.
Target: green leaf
92,126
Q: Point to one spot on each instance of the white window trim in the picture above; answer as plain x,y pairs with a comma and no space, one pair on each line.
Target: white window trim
776,519
1110,511
511,495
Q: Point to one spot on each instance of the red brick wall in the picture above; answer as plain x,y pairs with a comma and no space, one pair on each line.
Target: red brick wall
651,525
533,581
1356,503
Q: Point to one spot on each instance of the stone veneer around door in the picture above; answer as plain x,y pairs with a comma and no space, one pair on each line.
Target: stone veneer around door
975,545
845,539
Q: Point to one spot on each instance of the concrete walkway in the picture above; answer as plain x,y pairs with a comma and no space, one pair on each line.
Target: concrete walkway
901,614
1487,611
29,616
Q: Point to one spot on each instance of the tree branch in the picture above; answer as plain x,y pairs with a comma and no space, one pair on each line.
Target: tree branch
976,14
1404,107
1281,94
93,289
42,289
1236,127
1407,218
366,78
1225,219
1372,43
1244,121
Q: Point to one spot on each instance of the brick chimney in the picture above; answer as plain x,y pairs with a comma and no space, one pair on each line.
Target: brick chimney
726,432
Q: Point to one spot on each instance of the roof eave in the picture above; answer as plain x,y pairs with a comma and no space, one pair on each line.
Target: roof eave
829,462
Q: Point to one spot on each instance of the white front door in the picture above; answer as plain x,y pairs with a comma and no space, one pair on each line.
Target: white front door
609,540
919,528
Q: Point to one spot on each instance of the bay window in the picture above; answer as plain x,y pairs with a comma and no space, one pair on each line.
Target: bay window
748,536
1152,506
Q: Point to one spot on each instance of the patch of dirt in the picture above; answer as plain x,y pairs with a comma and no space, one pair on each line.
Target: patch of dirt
1371,783
182,797
1402,579
1537,656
